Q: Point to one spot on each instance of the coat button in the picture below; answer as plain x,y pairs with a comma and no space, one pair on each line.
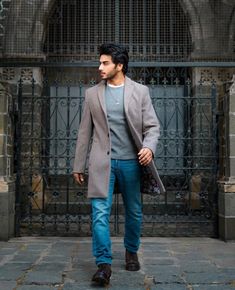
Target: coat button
108,153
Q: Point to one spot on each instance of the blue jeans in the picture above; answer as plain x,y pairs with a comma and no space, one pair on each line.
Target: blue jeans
127,173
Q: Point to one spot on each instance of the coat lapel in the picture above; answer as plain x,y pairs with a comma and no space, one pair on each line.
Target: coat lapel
101,89
128,89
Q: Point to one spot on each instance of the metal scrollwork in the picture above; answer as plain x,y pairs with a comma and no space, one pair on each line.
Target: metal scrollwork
185,156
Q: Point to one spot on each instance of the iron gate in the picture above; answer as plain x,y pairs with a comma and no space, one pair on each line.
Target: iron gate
50,203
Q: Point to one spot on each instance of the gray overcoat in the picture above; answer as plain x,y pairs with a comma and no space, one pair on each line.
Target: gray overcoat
94,129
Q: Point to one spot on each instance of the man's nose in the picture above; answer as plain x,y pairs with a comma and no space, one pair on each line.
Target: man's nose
101,66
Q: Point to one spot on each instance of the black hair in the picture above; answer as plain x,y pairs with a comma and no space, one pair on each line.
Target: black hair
118,53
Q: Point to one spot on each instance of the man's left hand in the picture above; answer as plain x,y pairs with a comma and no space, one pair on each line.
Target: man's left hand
145,156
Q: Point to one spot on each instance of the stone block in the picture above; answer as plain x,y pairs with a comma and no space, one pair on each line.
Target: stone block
2,166
4,217
32,90
226,228
227,203
232,145
4,203
4,233
227,187
232,123
3,103
232,100
13,89
221,203
2,145
232,168
3,123
7,210
8,285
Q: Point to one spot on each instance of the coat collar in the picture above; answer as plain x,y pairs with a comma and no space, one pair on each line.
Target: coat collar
128,89
101,89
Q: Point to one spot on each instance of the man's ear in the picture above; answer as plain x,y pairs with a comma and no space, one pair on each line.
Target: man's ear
119,66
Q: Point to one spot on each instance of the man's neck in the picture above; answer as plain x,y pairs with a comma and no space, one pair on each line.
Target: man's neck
117,81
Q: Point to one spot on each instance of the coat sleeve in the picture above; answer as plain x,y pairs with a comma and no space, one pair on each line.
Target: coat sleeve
83,139
151,126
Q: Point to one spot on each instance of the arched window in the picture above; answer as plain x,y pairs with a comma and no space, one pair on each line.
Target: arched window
153,30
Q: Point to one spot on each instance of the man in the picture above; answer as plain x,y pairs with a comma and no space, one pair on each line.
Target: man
119,118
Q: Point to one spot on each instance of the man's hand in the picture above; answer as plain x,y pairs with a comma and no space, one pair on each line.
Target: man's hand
145,156
79,178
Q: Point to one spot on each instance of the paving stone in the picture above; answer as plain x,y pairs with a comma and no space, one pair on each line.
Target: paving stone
209,278
12,271
8,251
47,277
56,259
38,247
213,287
7,285
80,275
160,261
26,257
171,263
165,277
36,287
225,262
169,287
45,272
159,269
199,267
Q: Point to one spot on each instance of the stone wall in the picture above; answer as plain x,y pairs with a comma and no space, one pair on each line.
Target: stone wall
212,28
9,110
7,183
226,200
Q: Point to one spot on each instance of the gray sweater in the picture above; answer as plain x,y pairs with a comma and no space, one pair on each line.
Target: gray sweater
122,144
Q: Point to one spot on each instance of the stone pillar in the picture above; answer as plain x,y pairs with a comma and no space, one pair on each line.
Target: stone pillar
226,199
206,83
9,90
7,182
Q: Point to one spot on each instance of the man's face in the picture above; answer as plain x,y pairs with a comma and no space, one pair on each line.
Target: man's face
108,69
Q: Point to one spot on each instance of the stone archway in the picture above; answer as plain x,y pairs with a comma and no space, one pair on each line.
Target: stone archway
210,38
211,35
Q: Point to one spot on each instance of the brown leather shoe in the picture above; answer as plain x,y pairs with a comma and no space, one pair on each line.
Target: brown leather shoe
132,262
102,275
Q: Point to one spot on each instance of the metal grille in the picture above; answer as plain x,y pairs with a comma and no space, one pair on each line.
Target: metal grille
48,201
152,30
4,8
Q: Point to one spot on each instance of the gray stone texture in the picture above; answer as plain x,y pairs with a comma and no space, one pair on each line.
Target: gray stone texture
7,210
232,165
227,203
31,263
232,142
7,186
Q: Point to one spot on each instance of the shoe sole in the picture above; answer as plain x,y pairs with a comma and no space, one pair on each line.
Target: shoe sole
100,281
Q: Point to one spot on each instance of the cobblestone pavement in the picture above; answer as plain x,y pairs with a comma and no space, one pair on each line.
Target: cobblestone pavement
38,263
